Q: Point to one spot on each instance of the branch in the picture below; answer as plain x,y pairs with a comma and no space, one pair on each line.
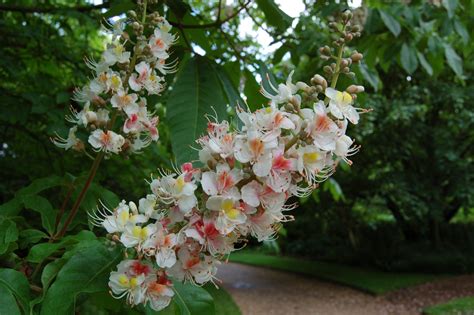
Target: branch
28,9
217,23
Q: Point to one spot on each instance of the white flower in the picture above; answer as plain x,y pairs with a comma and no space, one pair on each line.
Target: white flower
193,266
129,280
315,165
122,215
279,177
136,235
218,141
271,120
320,127
158,292
175,191
229,212
160,42
107,141
340,105
66,143
147,206
205,232
146,79
116,53
125,102
255,194
221,181
161,245
255,149
284,92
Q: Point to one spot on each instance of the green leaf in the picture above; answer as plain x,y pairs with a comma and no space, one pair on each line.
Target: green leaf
85,272
408,58
44,208
31,236
40,251
62,97
275,17
335,189
40,184
450,6
11,208
196,93
390,22
14,283
454,61
231,92
8,304
252,90
461,30
118,7
424,63
50,271
279,53
8,234
192,300
369,75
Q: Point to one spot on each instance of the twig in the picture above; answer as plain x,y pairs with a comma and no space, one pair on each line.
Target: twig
217,23
83,8
63,207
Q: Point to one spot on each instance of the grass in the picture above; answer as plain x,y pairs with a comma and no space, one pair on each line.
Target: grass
462,306
369,280
223,302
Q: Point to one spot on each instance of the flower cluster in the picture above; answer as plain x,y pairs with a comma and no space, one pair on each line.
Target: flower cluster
196,216
126,73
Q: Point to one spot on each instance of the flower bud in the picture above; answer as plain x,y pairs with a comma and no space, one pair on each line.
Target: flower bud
125,36
289,108
91,116
347,15
79,146
327,69
344,63
132,14
354,89
136,26
355,28
319,80
98,101
356,57
348,37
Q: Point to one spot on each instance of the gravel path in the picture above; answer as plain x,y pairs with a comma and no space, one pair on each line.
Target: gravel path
264,291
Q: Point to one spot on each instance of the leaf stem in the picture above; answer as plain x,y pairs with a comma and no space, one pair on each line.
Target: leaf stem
75,207
63,207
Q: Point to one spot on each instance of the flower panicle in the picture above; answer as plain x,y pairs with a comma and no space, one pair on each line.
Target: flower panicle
194,217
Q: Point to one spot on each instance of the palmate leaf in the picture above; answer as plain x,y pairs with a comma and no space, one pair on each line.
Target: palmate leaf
87,271
196,93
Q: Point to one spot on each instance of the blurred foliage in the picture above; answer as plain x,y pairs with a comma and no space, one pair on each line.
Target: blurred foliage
413,175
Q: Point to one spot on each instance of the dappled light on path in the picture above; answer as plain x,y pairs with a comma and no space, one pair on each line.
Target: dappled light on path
264,291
